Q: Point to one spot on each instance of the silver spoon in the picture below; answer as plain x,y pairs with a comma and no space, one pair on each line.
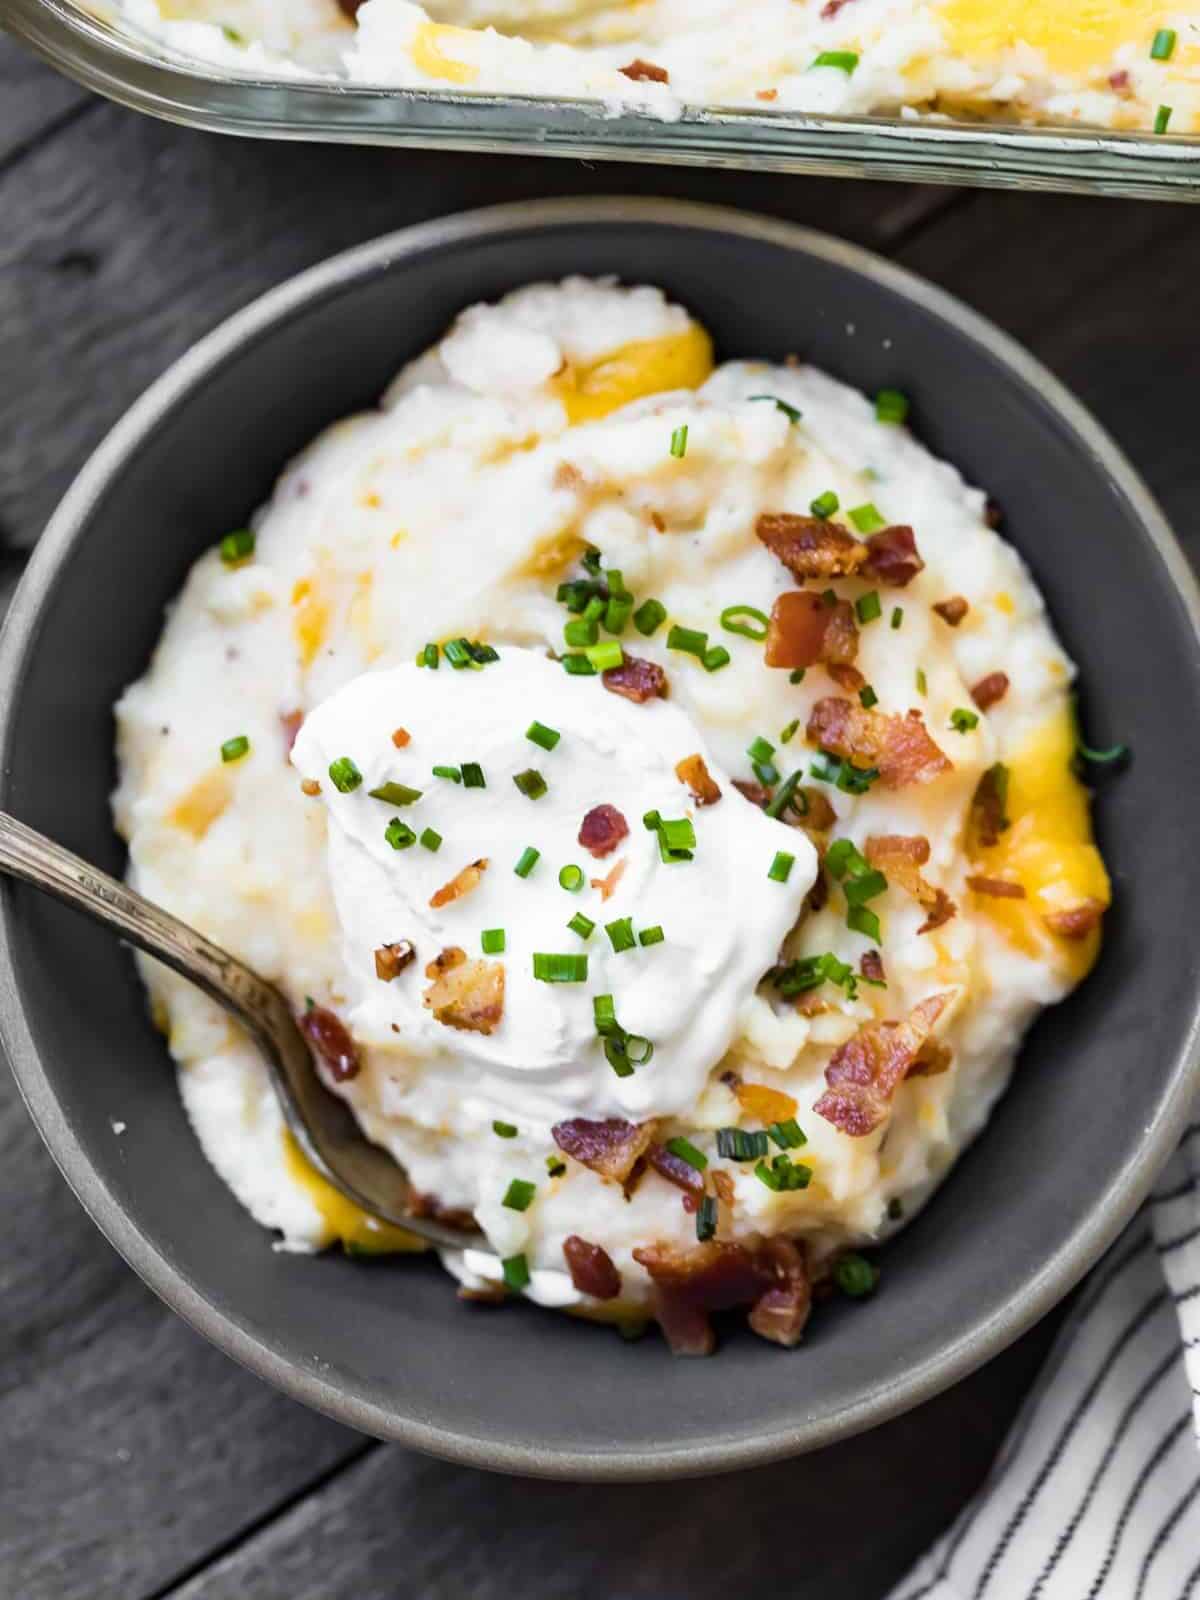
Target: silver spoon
322,1124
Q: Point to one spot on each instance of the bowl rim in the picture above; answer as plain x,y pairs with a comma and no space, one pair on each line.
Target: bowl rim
1053,1278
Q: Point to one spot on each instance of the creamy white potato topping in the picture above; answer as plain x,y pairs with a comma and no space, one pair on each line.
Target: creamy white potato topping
651,784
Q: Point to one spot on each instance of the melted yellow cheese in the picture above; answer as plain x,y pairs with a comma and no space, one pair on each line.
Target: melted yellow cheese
204,802
310,622
344,1221
1047,848
1074,36
428,57
645,366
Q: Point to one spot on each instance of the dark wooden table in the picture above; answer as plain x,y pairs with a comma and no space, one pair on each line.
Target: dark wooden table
135,1461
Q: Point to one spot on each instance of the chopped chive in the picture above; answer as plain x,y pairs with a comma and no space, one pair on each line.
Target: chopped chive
620,934
606,655
458,653
867,697
604,1013
962,720
649,617
736,1144
891,405
787,1134
482,654
677,833
344,775
783,796
897,616
797,675
579,666
504,1130
679,442
864,886
451,774
868,606
549,968
616,584
922,681
716,658
576,595
810,972
1162,119
1102,758
866,518
472,775
689,640
789,412
580,632
1162,49
789,732
824,505
848,778
431,839
760,749
783,1175
686,1151
237,546
531,783
555,1166
583,926
591,559
861,919
516,1273
638,1049
595,608
766,772
855,1275
234,749
843,60
781,867
399,835
616,1053
651,821
538,733
571,879
492,941
430,656
526,862
519,1194
395,794
649,936
706,1218
617,613
749,621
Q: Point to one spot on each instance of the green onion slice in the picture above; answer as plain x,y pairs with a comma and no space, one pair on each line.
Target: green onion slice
526,862
679,442
570,878
531,783
234,749
344,775
549,968
749,621
395,794
516,1273
492,941
237,546
686,1151
519,1194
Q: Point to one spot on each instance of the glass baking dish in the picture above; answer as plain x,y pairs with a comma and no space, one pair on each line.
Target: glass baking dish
140,73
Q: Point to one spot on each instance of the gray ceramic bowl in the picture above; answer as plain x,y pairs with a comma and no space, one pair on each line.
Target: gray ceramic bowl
1104,1082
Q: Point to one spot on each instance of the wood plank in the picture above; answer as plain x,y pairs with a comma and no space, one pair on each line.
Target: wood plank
34,99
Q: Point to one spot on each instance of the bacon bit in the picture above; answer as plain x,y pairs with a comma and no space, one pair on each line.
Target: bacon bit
637,679
803,631
689,1283
810,547
488,1294
445,961
676,1170
693,771
348,8
846,677
591,1268
391,959
470,996
818,815
602,830
658,522
401,737
1077,921
766,94
611,1148
428,1205
637,1173
900,747
993,513
864,1073
331,1040
645,72
780,1314
871,966
309,786
762,1104
892,556
723,1185
952,610
990,690
752,791
831,8
462,883
998,888
899,857
1119,81
291,722
987,808
567,476
608,886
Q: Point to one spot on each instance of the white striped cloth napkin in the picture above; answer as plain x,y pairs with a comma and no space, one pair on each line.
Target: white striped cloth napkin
1096,1492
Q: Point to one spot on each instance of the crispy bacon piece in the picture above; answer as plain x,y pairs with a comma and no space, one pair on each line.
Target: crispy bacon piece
831,8
608,886
445,961
781,1312
990,691
818,895
766,94
645,72
998,888
401,737
602,830
611,1147
469,995
804,630
723,1186
810,547
676,1170
816,815
591,1268
689,1283
900,747
637,679
291,722
428,1205
462,883
391,959
993,513
567,476
331,1039
752,791
900,857
1076,922
846,677
952,610
764,1104
892,556
871,966
348,8
1119,81
987,806
693,771
863,1074
309,786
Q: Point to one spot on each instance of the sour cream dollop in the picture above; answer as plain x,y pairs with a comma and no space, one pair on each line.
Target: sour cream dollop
723,916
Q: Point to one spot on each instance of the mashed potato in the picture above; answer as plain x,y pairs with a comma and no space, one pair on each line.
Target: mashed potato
1121,64
651,784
